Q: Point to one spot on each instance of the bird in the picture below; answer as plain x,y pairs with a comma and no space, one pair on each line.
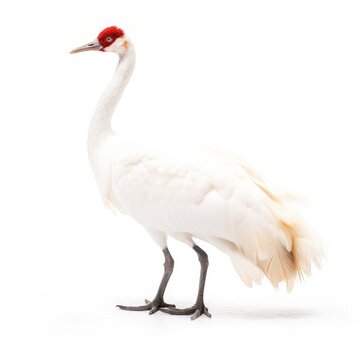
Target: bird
190,191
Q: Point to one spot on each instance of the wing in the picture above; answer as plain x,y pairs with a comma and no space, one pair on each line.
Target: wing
177,180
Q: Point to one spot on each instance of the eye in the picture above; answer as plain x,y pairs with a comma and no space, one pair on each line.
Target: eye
109,39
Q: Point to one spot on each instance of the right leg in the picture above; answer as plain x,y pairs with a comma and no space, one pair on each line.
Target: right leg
158,302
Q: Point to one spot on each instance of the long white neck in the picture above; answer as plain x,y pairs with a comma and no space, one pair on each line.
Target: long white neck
100,125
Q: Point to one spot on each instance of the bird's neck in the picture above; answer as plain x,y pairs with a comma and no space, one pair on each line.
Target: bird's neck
100,125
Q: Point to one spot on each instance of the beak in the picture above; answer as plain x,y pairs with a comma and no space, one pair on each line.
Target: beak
93,45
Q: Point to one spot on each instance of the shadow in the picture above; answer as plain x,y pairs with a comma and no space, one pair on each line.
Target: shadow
269,314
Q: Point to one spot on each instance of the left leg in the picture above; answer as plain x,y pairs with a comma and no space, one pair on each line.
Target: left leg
158,301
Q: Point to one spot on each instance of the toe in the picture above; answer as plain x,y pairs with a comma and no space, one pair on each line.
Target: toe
169,305
196,314
206,313
153,310
175,311
134,308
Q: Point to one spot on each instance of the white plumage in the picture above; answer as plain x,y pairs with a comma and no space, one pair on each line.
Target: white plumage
180,189
197,192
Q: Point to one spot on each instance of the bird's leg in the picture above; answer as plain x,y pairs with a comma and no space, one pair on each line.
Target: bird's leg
199,305
199,308
158,301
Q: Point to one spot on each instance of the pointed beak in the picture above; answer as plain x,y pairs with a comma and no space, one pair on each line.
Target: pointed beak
93,45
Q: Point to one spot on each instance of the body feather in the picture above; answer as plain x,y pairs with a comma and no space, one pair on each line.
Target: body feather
214,197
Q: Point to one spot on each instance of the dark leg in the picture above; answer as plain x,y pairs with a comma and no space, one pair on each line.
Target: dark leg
158,301
199,308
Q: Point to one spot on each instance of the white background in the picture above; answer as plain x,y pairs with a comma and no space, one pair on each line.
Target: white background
275,81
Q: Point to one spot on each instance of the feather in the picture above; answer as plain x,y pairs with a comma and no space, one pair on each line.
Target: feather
210,195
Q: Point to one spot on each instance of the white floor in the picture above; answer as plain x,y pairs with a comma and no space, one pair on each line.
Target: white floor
87,326
317,320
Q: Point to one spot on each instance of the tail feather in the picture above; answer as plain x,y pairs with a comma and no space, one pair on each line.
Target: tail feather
248,272
290,263
293,250
277,242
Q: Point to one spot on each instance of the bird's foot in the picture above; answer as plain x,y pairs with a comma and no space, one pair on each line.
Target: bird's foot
152,306
197,310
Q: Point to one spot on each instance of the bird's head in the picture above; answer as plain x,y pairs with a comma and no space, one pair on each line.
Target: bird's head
110,39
